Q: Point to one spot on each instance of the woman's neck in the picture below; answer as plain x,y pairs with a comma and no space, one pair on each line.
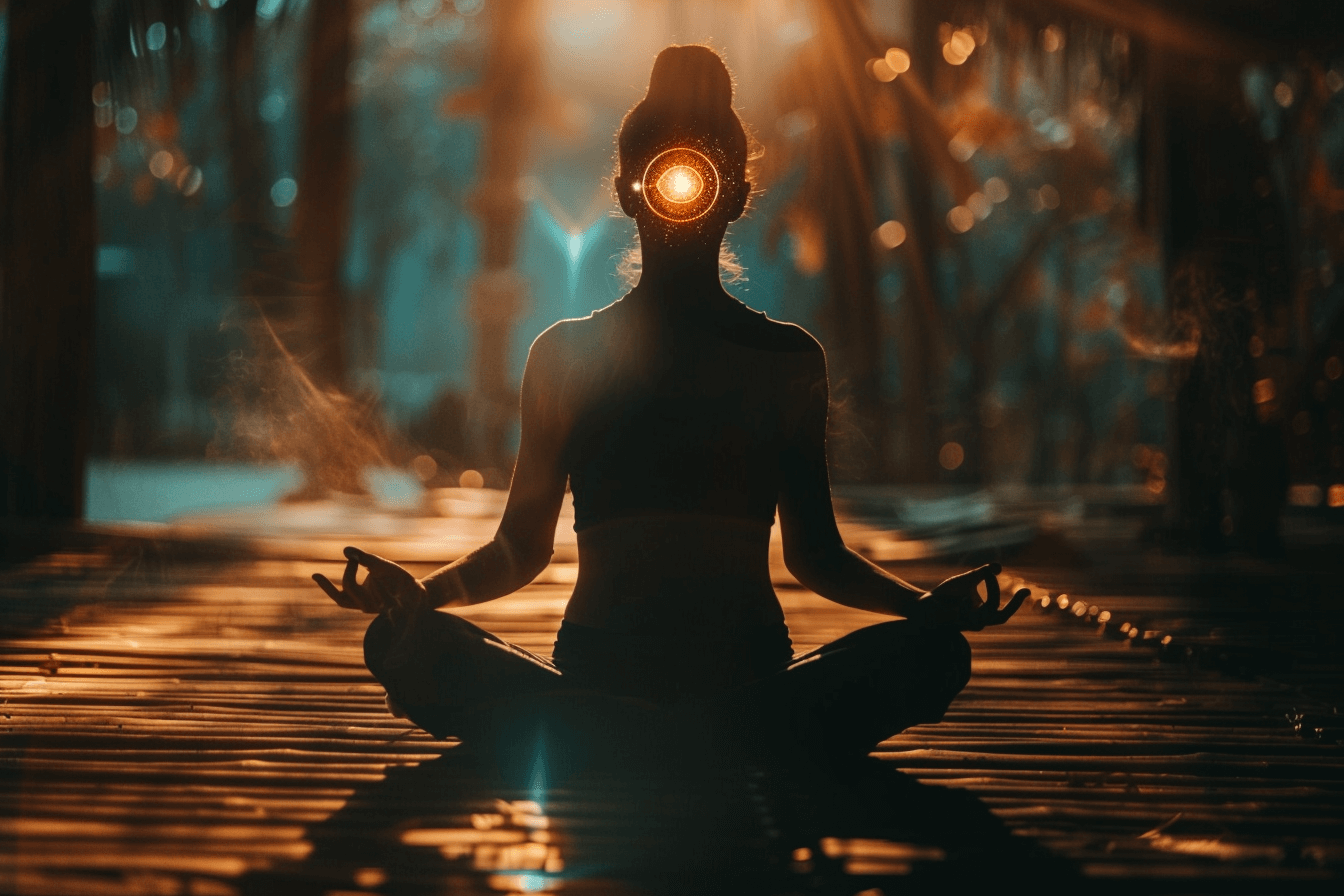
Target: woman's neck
684,282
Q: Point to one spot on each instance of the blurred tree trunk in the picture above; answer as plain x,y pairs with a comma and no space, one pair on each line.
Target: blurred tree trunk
322,216
507,101
840,191
920,348
1228,265
246,151
47,303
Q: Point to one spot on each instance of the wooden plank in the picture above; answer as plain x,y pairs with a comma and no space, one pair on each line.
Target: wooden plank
215,728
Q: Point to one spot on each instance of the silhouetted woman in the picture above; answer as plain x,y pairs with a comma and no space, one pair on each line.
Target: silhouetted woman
682,420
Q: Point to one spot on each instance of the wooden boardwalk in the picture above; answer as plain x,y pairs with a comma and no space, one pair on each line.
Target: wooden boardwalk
199,721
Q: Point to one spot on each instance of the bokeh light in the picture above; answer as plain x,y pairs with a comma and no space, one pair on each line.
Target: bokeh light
284,191
880,70
951,455
127,118
161,164
891,234
960,219
898,60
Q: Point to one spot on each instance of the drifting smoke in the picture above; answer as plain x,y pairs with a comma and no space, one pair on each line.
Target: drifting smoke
274,411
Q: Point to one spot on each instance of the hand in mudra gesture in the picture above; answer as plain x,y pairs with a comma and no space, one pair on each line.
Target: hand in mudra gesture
387,588
957,603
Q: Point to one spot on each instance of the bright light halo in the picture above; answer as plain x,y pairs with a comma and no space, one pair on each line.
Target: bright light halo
685,184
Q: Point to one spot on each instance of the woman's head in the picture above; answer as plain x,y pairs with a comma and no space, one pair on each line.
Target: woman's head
686,141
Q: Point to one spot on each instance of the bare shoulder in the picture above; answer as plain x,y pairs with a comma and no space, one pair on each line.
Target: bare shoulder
565,340
755,329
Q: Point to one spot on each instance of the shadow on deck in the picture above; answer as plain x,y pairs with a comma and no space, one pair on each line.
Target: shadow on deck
666,824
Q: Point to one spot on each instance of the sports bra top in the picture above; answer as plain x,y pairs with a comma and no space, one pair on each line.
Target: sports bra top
682,414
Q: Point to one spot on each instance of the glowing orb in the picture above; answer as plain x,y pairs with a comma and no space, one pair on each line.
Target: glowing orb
685,184
681,184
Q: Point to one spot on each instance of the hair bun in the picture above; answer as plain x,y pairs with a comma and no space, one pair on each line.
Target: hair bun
690,79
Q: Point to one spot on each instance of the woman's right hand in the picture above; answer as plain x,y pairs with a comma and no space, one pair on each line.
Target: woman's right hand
387,588
956,602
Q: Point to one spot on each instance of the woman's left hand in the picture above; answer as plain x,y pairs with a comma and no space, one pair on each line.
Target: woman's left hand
387,588
957,603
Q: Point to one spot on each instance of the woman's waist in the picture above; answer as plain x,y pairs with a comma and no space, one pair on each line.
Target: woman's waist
693,544
658,570
675,608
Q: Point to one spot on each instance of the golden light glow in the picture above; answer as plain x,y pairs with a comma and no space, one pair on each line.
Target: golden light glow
959,46
951,455
1306,495
891,234
979,205
681,184
963,42
960,219
161,164
996,188
685,184
1263,391
880,70
898,60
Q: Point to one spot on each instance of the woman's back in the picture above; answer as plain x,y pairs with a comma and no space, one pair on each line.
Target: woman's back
674,431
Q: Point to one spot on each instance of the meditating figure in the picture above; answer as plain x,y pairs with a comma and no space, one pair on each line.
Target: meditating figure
683,421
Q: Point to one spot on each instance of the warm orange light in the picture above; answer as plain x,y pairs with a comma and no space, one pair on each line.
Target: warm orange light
161,164
681,184
959,46
963,42
891,234
1305,495
881,71
685,184
898,60
1263,391
951,455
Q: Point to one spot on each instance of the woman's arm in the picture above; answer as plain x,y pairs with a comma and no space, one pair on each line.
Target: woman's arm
813,549
523,543
817,556
525,538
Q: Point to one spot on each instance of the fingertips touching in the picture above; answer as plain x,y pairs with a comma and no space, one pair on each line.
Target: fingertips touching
1018,599
992,592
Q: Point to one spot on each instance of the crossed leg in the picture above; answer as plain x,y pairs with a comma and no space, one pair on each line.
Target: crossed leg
846,697
451,677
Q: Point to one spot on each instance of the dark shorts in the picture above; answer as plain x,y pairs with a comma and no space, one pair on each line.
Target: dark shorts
666,670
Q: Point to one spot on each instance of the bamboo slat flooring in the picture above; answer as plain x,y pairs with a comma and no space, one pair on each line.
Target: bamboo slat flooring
206,726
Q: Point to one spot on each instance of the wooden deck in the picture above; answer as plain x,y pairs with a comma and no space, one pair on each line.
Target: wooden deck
199,721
